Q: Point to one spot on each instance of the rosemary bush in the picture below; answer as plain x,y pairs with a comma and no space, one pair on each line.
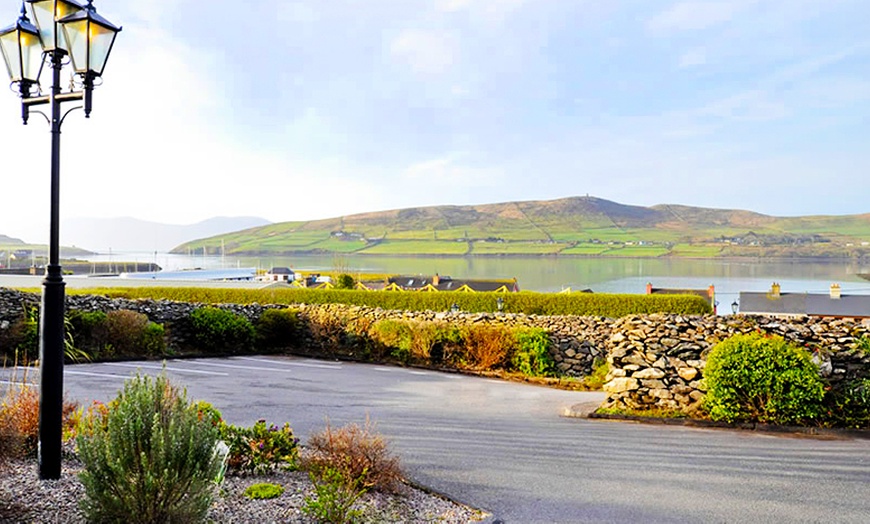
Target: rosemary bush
150,458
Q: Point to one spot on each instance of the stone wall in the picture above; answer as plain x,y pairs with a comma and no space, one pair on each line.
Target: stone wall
577,341
656,361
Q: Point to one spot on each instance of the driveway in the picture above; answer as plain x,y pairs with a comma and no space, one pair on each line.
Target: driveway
503,447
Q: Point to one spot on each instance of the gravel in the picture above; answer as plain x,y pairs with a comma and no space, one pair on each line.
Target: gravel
25,498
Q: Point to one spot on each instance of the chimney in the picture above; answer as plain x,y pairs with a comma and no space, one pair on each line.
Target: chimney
774,290
649,288
835,291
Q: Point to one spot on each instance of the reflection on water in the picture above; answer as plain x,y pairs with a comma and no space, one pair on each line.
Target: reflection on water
605,275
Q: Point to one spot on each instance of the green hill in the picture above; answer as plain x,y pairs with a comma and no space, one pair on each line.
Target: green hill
577,226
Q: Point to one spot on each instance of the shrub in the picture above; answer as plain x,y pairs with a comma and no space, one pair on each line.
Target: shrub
396,336
21,343
278,328
593,304
358,454
131,334
762,378
486,347
344,281
532,354
447,343
220,331
89,328
148,458
260,448
19,419
848,406
335,496
263,490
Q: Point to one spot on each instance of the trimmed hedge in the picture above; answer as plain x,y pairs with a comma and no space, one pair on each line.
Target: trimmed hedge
526,302
762,378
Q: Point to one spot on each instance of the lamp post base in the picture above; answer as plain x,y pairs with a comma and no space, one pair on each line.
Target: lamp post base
51,344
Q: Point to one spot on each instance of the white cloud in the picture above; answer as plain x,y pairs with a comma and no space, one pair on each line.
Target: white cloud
491,7
696,15
448,171
426,52
693,58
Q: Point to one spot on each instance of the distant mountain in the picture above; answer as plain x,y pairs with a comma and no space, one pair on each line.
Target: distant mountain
130,234
8,241
579,226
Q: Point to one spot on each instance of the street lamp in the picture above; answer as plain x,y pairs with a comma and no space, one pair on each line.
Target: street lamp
734,307
59,28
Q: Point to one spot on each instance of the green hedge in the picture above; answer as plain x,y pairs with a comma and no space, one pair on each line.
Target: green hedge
586,304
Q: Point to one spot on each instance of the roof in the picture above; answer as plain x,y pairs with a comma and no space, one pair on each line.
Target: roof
420,282
811,304
281,271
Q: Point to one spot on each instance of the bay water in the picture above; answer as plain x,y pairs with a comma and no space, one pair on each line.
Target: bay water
553,274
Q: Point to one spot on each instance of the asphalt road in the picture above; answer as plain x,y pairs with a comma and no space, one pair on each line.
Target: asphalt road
504,448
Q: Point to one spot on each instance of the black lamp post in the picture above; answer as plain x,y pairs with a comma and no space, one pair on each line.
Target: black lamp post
59,28
734,307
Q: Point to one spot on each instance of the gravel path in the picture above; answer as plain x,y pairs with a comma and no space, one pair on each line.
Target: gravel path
26,499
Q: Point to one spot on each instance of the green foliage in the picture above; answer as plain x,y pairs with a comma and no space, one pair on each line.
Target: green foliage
148,458
646,413
598,377
22,340
121,333
89,329
590,304
760,378
848,406
532,355
863,344
129,333
278,328
335,496
396,336
217,330
344,281
260,448
264,490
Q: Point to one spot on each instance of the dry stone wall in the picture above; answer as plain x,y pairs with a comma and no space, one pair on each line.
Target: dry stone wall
656,361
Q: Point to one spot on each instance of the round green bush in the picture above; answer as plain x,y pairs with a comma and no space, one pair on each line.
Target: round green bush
217,330
759,378
278,328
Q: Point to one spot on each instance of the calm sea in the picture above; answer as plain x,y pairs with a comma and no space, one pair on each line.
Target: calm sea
603,275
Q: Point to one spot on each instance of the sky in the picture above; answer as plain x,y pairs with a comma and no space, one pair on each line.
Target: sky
307,109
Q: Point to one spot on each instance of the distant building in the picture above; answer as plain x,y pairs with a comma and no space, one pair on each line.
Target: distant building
278,274
708,294
445,283
833,304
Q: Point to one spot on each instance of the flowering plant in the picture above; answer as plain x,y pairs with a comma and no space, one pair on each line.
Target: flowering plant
260,448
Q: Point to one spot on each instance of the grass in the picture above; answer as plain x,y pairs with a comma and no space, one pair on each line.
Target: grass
516,248
417,247
636,251
695,251
586,249
647,413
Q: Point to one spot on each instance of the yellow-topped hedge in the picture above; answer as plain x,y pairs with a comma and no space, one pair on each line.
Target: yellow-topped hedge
527,302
